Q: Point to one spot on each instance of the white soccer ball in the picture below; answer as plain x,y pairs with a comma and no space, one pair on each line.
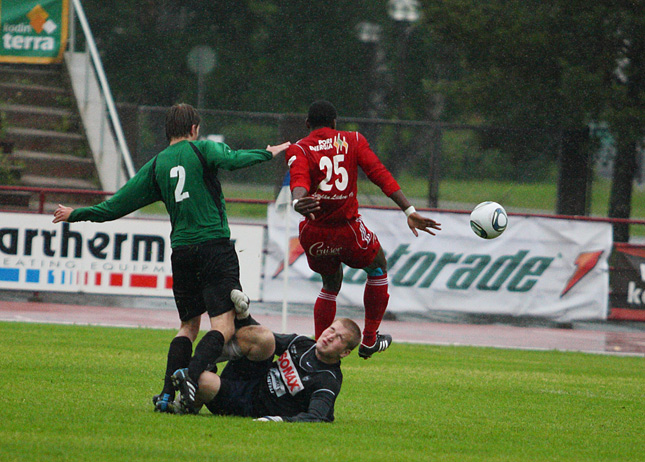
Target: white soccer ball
488,220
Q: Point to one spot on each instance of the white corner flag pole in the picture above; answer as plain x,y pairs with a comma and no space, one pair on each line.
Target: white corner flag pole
285,293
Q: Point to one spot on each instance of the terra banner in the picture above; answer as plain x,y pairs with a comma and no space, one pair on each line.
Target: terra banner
33,31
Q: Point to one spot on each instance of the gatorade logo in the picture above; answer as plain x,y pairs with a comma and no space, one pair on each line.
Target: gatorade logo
519,272
585,262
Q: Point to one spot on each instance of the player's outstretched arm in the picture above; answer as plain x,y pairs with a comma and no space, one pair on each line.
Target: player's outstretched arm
275,150
62,213
419,222
416,221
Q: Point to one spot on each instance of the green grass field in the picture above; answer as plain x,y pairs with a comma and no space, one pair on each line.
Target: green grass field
83,393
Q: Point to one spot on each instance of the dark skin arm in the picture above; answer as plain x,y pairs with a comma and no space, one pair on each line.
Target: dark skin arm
415,220
306,205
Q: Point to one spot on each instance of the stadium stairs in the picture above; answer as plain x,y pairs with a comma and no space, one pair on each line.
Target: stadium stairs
42,138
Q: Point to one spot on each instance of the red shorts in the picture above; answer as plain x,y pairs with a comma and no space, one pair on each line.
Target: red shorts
327,247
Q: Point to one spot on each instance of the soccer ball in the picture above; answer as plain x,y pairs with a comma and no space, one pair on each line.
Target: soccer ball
488,220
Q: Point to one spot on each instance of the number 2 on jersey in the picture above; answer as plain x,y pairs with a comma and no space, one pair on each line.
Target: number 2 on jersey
333,170
179,172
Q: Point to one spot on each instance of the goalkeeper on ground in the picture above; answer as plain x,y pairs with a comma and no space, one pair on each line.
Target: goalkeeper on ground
300,385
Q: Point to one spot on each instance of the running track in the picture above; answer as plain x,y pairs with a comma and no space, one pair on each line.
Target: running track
597,341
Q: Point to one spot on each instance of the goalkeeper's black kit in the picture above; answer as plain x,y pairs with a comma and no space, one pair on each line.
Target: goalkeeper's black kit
296,386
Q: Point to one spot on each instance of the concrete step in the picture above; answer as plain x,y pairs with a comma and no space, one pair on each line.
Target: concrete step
15,171
15,199
64,165
70,201
6,146
67,197
37,95
27,201
46,118
54,181
32,74
44,138
30,139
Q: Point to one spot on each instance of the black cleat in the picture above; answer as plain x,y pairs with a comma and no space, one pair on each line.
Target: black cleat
163,403
187,388
382,343
178,408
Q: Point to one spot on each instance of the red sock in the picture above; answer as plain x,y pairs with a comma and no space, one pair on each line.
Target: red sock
324,310
375,299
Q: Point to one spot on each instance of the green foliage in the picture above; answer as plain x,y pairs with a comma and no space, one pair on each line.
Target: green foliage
559,64
272,56
520,64
526,63
240,133
83,393
7,176
244,134
65,124
494,156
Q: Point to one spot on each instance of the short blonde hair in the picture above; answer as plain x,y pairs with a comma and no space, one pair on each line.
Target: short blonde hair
354,330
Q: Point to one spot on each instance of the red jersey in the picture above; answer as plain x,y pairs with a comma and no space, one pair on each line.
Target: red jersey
326,162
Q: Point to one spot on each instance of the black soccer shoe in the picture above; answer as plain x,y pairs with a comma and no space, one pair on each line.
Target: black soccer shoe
187,388
177,407
382,343
163,403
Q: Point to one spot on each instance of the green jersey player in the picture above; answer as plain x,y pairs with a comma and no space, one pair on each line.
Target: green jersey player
204,262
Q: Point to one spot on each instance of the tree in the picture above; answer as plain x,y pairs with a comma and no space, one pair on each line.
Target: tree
626,111
272,56
555,65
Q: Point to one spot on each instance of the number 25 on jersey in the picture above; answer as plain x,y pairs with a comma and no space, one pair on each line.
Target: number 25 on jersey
333,171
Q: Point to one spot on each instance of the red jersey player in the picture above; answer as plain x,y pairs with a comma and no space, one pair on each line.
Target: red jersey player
324,170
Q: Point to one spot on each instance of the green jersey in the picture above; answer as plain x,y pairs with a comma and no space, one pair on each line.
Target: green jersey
176,177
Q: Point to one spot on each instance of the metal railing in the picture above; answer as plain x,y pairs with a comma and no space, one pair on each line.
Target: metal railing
42,194
110,124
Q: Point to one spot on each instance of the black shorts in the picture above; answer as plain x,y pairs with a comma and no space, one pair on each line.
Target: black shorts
240,380
203,277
